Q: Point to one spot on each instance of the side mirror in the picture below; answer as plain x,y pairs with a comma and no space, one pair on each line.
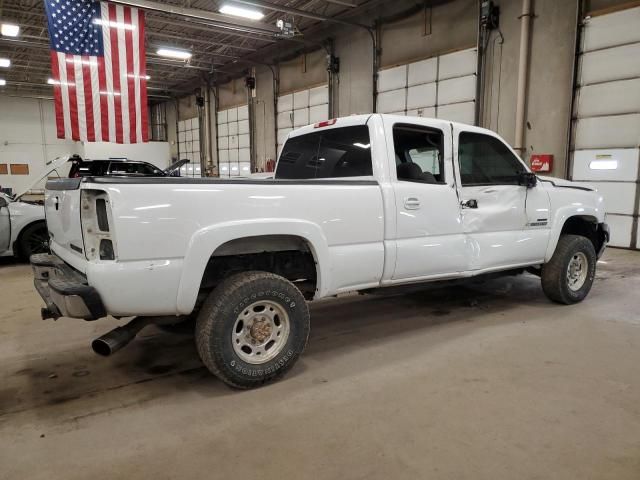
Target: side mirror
527,179
3,202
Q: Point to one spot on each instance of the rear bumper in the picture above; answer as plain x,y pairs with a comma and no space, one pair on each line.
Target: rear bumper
64,290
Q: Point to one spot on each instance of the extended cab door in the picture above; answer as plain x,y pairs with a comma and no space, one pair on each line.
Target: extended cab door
506,223
429,236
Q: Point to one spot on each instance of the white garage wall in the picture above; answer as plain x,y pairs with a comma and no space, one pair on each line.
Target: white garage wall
442,87
606,124
189,146
301,108
28,135
234,142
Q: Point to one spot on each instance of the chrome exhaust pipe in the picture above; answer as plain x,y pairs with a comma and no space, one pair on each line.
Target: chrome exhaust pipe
119,337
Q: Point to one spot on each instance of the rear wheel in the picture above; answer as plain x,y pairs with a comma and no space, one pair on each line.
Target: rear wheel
252,329
567,278
33,239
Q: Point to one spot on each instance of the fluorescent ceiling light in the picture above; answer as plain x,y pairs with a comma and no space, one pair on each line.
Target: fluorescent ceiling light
603,165
171,53
362,145
9,30
51,81
5,62
108,23
3,82
241,12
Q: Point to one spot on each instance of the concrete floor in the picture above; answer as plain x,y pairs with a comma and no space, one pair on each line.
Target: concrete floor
483,382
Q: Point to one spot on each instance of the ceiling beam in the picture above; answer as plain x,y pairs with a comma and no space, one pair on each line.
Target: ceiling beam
299,12
223,21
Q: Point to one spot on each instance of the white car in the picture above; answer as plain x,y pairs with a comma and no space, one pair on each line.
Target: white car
23,229
356,203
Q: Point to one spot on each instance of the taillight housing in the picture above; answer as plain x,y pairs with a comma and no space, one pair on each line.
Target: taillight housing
97,226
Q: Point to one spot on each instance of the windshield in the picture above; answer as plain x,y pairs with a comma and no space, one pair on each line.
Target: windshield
332,153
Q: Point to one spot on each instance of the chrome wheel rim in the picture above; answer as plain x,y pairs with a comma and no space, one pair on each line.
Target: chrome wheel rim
260,332
577,271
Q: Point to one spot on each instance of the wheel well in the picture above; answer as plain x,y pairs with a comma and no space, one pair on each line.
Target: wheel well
16,244
587,227
289,256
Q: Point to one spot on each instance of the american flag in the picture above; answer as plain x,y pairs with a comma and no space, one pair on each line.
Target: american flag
98,71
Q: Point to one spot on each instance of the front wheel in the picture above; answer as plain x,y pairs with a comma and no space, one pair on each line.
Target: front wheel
252,329
567,278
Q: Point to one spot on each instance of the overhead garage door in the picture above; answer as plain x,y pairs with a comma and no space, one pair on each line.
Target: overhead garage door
189,146
301,108
234,144
441,87
606,128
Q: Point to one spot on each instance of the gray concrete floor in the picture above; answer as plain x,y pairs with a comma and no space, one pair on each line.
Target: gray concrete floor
489,381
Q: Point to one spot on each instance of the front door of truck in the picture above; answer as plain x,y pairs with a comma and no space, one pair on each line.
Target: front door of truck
429,237
506,223
5,224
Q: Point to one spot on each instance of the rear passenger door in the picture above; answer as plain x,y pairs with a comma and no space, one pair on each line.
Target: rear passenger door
429,237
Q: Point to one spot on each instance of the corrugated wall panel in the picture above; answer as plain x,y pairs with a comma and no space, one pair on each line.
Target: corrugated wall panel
606,136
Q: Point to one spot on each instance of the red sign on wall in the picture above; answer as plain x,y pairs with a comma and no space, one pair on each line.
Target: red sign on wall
541,162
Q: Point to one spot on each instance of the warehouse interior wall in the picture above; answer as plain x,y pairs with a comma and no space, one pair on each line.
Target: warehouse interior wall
354,48
428,32
433,31
28,137
264,117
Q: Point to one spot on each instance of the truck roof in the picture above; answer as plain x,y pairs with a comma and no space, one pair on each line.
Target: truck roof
363,118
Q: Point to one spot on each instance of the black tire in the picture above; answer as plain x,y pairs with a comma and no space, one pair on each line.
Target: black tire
33,239
221,313
555,281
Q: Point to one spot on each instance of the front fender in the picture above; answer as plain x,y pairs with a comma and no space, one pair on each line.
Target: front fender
561,216
205,241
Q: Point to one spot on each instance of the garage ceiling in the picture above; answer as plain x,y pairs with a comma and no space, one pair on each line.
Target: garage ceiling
220,51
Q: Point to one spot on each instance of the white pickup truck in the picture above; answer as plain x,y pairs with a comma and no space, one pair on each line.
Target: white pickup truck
356,203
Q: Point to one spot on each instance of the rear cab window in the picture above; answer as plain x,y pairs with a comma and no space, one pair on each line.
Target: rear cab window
332,153
419,153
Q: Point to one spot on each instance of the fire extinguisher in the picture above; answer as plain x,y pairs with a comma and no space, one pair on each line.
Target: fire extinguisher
271,165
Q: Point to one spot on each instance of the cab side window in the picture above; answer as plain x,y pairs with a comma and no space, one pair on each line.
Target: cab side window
485,160
419,153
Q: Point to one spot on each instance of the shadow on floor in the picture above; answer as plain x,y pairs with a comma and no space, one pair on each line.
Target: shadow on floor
338,326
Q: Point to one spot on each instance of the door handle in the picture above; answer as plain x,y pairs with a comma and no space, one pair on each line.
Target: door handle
469,204
411,203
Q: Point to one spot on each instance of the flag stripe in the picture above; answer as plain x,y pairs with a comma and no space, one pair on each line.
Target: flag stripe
135,45
95,100
88,98
143,78
132,74
108,79
122,74
82,119
57,95
64,89
73,99
115,92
